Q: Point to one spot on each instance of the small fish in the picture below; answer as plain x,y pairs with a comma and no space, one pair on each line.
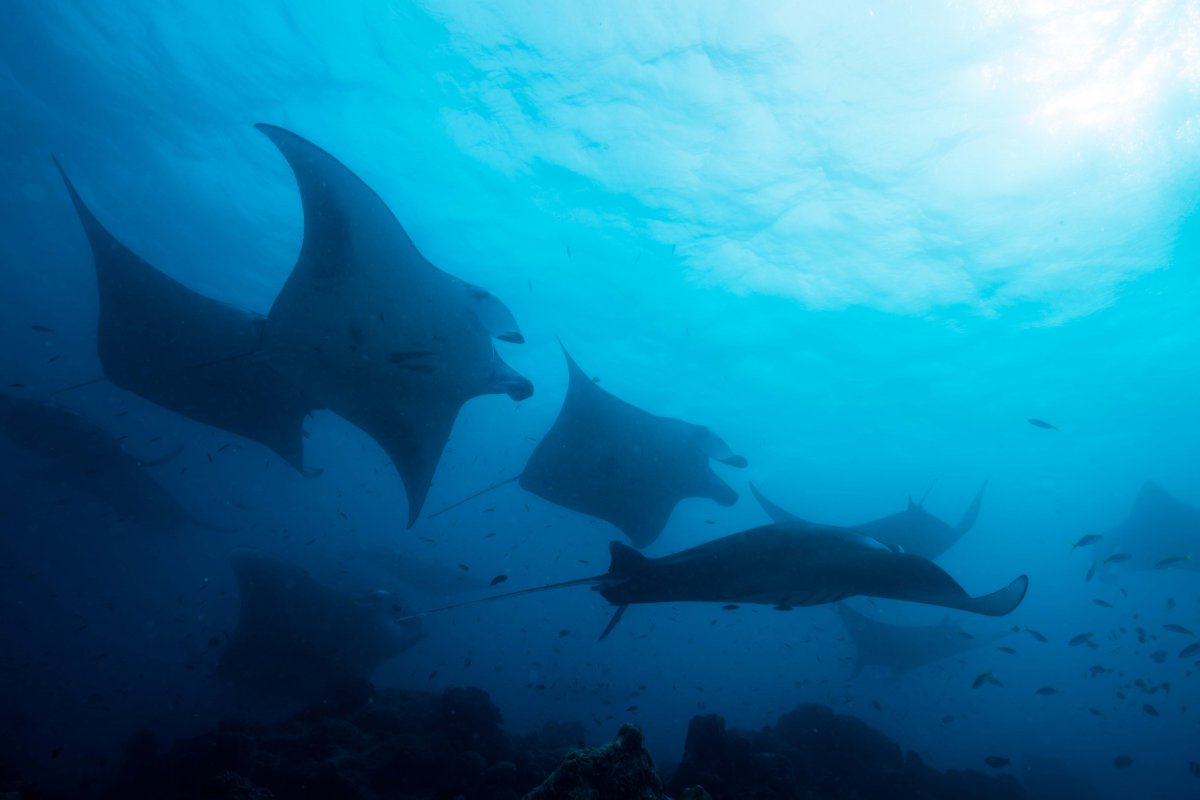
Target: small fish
632,708
1095,712
464,567
1190,651
1047,691
997,762
986,677
214,641
1041,423
499,579
564,632
1158,656
1091,573
1083,638
965,635
1194,768
1175,627
42,328
1121,762
1150,710
1117,558
1171,560
1102,603
1007,649
1086,539
730,607
1037,635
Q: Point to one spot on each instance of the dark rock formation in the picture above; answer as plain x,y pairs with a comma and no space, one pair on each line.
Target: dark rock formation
357,745
620,769
814,754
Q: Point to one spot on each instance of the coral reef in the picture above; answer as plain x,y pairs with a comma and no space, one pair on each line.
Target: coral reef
360,744
814,754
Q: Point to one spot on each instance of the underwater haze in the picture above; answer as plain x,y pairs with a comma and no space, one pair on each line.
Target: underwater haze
874,256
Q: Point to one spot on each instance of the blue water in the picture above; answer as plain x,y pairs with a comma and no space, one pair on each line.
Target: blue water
863,244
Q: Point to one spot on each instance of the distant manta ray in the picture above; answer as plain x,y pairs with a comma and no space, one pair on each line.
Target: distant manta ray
611,460
92,461
913,530
903,648
1159,532
785,565
296,638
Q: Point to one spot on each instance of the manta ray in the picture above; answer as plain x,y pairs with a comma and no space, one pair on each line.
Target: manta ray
186,352
785,565
92,461
296,638
373,330
903,648
913,530
609,459
1159,532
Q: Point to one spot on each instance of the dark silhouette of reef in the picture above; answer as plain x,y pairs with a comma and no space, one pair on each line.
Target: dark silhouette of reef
362,744
812,753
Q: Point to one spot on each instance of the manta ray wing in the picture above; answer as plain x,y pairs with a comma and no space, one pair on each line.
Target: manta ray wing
187,352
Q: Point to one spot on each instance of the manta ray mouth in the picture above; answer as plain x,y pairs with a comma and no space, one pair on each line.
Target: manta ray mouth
512,336
519,388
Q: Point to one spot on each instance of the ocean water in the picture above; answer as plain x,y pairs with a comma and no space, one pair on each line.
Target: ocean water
864,244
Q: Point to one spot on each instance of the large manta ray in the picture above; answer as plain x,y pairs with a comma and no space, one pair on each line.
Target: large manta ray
903,648
913,530
1160,532
373,330
92,461
187,352
612,460
785,565
296,638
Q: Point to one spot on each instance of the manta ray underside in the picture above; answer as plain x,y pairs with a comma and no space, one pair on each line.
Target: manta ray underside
373,330
90,460
913,530
296,638
785,565
903,648
609,459
187,352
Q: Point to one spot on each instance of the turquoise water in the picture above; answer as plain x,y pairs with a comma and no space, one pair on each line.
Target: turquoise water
863,244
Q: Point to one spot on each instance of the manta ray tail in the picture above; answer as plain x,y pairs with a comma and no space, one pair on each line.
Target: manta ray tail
972,513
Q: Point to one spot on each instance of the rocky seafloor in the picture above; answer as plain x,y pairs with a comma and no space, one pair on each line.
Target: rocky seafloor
393,744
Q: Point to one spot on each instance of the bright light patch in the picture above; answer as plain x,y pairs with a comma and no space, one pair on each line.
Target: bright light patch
973,155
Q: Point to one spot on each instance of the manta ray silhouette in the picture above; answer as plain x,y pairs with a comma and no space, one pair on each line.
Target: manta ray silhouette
609,459
903,648
785,565
913,530
186,352
375,332
1159,532
92,461
296,638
